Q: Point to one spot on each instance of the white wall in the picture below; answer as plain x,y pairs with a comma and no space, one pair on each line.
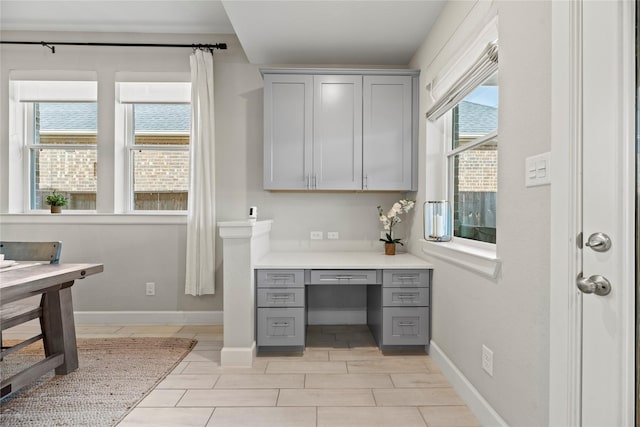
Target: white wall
511,314
138,253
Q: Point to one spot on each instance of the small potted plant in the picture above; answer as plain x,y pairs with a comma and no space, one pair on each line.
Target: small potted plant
56,201
390,219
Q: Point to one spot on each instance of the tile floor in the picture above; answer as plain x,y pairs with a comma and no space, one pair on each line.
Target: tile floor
342,379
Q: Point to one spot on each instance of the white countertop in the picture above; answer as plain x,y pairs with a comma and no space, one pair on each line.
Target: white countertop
340,260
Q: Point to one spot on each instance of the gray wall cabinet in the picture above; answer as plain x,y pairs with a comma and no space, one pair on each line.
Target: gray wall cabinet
340,129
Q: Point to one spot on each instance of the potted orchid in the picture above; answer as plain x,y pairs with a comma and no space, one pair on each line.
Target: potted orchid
390,219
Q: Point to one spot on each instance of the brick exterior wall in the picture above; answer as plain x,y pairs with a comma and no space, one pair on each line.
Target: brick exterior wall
478,169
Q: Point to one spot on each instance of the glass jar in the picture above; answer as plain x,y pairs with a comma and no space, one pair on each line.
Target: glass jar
437,221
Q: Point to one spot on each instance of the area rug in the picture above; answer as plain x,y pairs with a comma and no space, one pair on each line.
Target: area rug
114,375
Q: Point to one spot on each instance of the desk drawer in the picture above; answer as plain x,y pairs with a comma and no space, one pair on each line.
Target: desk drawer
280,278
405,297
405,278
343,277
280,326
281,297
405,326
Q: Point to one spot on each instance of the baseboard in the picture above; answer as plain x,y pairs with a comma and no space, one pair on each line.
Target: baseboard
471,396
148,317
238,357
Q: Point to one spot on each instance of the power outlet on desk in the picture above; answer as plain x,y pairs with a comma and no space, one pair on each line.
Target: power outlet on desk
316,235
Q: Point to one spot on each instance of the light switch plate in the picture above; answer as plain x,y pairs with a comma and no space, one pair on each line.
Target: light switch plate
537,170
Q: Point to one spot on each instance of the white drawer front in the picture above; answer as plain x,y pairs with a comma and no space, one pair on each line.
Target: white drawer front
281,297
404,278
280,326
280,278
405,326
405,297
343,277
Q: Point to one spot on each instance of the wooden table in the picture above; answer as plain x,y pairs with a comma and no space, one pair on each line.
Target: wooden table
54,282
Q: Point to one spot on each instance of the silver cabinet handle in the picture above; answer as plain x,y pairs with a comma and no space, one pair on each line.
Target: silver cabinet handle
412,277
280,325
282,296
366,182
309,182
280,277
406,296
315,182
406,324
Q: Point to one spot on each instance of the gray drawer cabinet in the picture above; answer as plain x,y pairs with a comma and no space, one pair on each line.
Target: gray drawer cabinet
398,304
280,315
404,318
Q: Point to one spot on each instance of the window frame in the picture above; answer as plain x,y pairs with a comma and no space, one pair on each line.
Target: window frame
130,147
30,146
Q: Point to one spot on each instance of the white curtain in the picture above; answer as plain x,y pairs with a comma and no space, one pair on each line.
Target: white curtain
201,217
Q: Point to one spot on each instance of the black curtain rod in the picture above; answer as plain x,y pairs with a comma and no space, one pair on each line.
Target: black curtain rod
52,45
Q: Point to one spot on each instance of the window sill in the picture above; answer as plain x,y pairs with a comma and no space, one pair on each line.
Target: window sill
94,218
482,261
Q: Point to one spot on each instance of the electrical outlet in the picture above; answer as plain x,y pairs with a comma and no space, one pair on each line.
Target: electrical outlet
487,360
150,288
316,235
333,235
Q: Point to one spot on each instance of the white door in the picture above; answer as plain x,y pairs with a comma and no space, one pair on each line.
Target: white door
592,336
608,188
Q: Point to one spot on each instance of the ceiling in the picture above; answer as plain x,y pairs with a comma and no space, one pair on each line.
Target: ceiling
354,32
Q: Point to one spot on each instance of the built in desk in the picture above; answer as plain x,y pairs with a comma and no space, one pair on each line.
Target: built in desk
398,295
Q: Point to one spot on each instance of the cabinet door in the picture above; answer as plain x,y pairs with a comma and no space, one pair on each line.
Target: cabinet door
387,132
337,133
288,115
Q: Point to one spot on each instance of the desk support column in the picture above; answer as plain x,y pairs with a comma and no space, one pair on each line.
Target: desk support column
243,242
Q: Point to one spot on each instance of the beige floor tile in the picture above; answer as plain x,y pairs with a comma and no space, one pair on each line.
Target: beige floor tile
183,381
203,356
263,417
307,356
198,368
239,381
209,337
167,417
161,398
388,365
88,335
214,398
417,397
97,329
355,354
179,368
419,380
369,417
326,397
203,329
449,416
209,345
348,381
306,367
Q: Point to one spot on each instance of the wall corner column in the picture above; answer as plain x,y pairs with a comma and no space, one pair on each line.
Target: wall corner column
243,243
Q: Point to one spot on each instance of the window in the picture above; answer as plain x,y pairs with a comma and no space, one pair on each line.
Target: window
469,107
472,159
158,147
62,142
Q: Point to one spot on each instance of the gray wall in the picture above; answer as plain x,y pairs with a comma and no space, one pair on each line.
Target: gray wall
509,315
140,252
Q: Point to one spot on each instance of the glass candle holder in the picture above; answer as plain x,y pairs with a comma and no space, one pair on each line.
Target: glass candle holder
437,221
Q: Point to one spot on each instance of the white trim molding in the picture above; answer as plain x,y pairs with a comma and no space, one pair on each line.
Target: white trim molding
148,317
471,396
475,259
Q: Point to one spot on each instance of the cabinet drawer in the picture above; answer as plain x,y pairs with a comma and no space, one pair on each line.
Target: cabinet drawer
405,297
280,327
404,278
281,297
405,326
280,278
343,277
